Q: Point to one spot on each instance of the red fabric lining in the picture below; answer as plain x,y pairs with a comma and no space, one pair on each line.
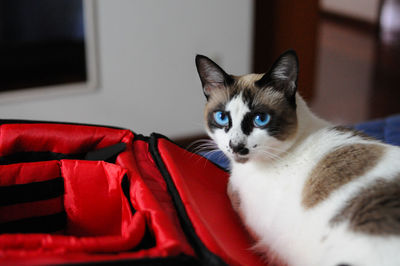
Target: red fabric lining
93,198
169,241
31,209
98,214
203,192
43,257
99,219
57,138
23,173
167,219
20,244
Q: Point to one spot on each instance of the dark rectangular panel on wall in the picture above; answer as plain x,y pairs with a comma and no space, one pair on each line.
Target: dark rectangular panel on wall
42,43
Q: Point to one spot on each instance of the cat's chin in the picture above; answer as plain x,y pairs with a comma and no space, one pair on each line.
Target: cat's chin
240,158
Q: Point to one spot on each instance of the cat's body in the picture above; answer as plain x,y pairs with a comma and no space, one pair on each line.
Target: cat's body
310,193
272,196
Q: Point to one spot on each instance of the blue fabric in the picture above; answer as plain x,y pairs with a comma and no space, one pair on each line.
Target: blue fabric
387,130
218,158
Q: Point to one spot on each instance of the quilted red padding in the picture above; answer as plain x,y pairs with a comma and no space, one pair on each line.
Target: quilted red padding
31,209
98,214
93,199
60,138
27,173
100,225
160,206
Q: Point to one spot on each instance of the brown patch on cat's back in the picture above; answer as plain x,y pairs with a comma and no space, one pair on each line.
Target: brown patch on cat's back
338,168
374,210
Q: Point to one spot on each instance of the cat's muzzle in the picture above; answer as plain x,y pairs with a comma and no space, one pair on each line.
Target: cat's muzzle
240,152
239,148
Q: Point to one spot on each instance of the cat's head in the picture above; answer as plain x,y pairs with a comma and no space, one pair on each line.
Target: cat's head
251,116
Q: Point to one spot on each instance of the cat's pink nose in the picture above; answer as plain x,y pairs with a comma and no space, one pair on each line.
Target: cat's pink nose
239,148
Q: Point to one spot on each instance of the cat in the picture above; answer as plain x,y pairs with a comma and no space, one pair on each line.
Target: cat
310,193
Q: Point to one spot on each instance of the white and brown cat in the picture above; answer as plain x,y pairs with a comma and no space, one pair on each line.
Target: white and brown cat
311,193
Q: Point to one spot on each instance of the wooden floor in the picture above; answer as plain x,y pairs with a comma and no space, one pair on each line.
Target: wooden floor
358,73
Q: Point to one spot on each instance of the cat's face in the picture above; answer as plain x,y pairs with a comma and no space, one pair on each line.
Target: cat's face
251,116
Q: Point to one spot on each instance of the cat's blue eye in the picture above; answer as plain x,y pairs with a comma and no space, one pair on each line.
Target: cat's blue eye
221,118
261,120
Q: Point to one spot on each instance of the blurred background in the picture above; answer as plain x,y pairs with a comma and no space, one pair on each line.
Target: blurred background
130,63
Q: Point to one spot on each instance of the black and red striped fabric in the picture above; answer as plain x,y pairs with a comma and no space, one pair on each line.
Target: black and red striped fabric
73,193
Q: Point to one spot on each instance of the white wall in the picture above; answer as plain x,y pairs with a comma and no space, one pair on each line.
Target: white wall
366,10
147,76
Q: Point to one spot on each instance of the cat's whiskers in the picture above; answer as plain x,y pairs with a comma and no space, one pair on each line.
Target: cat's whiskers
201,145
270,152
274,149
204,147
272,156
209,154
279,152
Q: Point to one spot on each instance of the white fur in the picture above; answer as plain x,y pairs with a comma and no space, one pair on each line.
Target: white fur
270,192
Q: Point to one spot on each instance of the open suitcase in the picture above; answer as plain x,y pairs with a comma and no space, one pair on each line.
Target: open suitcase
85,194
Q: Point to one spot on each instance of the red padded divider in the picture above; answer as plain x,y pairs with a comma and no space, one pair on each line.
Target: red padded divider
93,199
149,195
23,173
98,214
100,225
31,209
60,138
20,245
202,188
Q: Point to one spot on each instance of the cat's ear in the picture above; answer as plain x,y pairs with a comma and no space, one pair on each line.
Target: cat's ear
283,74
212,76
